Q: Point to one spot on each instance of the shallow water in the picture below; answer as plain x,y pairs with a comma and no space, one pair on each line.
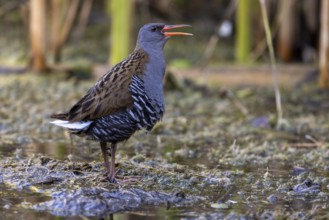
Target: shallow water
225,162
248,194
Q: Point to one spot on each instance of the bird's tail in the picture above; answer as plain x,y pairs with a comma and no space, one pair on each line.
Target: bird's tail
61,116
74,127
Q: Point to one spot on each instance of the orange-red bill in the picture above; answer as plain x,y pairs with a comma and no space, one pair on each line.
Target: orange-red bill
169,27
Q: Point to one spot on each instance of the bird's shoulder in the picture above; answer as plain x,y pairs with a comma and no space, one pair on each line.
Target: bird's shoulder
110,93
134,64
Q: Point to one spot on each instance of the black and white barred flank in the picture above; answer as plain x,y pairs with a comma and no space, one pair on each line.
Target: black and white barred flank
143,114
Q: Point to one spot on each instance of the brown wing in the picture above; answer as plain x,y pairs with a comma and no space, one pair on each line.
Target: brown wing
110,93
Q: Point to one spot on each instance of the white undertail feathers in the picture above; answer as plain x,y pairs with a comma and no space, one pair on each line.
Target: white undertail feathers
80,125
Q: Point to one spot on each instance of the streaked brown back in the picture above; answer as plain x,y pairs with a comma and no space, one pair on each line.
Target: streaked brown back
111,93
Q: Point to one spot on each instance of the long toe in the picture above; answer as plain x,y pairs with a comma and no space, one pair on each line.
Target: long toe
112,179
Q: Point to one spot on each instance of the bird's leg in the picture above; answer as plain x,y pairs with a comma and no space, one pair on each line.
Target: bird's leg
112,172
119,178
106,158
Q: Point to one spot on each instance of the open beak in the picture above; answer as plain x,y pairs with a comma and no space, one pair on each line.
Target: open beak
169,27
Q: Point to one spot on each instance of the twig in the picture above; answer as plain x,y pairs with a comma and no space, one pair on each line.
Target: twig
261,46
324,46
70,16
65,29
9,6
273,62
209,51
310,138
211,46
237,103
83,19
305,145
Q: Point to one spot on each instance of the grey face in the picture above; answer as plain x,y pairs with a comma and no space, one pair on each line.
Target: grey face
151,35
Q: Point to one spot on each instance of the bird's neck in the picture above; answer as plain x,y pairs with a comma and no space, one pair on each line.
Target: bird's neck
151,47
154,73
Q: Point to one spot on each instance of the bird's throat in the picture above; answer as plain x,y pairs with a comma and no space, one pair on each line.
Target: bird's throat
153,77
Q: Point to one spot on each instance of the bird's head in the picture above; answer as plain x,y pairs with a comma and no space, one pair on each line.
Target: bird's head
155,35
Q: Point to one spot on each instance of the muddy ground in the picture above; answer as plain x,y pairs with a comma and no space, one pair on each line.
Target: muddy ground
217,153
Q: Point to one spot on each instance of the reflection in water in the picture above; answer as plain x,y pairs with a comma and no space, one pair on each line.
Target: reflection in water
59,150
12,203
252,187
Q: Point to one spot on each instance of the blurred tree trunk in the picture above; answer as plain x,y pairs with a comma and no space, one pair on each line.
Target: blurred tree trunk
38,34
83,19
287,29
56,18
62,27
242,41
324,45
120,32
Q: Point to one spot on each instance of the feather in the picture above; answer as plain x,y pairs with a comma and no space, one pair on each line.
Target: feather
111,92
80,125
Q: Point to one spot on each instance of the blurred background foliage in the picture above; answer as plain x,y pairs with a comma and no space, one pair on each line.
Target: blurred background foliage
52,35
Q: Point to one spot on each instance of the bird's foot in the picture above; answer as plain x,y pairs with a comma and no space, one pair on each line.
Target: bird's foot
107,172
108,178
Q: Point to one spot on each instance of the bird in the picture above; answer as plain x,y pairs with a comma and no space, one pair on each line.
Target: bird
127,98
